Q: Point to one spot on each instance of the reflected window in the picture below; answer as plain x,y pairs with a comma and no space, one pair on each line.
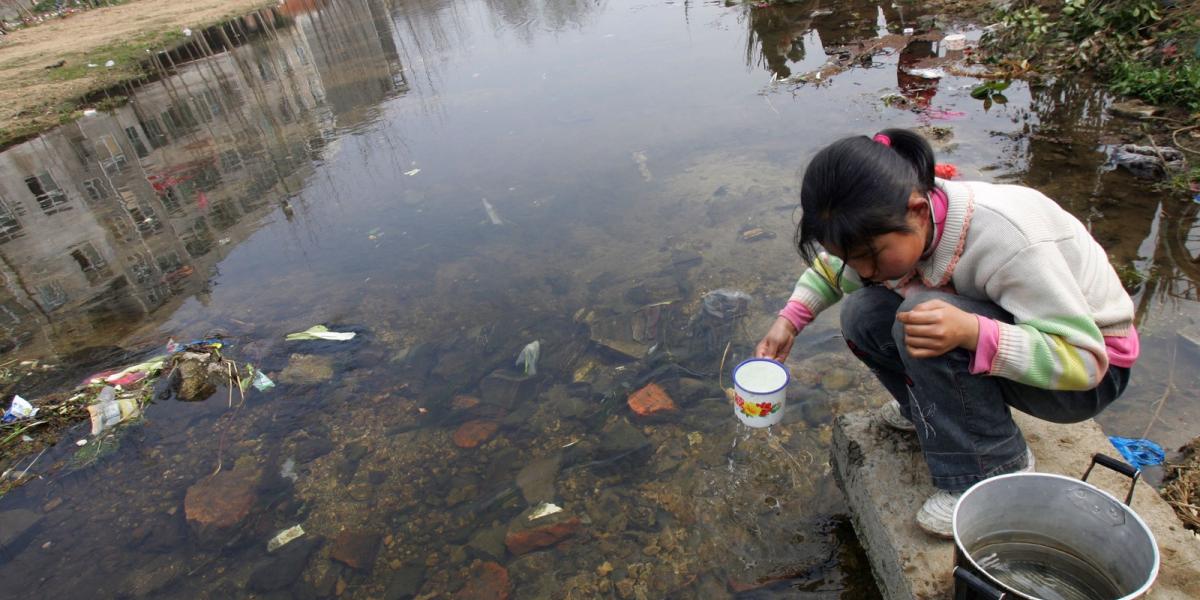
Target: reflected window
154,132
140,269
230,161
50,197
95,189
136,140
265,70
120,228
51,295
142,214
224,215
112,157
169,263
302,55
198,240
170,200
214,103
179,120
93,266
10,226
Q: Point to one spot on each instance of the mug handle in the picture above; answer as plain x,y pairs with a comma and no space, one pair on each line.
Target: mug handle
972,582
1126,469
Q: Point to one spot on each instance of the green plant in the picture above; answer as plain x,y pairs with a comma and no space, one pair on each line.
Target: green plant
990,92
1159,84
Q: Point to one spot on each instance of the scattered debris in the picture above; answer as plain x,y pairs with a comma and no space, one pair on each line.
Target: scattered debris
755,234
1146,162
20,409
320,332
544,509
529,357
412,172
109,410
639,158
491,213
283,537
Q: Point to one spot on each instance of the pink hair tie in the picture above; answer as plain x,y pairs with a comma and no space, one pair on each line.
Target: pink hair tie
883,139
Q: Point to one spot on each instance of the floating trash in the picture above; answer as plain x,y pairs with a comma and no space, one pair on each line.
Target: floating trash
320,332
283,537
529,357
20,408
544,509
491,213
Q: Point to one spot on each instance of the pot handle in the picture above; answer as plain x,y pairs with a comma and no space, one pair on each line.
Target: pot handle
1133,473
972,582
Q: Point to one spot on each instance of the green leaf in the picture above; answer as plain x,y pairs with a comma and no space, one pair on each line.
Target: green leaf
980,92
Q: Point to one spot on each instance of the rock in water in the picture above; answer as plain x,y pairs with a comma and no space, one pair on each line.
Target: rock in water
216,506
489,581
285,568
356,549
536,480
526,534
651,400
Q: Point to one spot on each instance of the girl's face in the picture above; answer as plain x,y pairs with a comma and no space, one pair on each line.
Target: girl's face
892,255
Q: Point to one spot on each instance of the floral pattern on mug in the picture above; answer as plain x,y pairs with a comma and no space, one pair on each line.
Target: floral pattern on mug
752,409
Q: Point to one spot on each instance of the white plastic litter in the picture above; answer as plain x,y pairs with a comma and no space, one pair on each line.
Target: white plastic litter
529,357
283,537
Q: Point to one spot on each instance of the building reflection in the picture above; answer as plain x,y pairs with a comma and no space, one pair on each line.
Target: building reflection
117,215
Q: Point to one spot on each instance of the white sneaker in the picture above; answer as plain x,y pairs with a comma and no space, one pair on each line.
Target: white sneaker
891,416
936,516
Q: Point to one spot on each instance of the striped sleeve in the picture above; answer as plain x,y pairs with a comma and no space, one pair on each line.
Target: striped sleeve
820,286
1054,342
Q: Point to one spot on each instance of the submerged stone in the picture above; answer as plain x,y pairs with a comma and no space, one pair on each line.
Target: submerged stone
216,506
651,400
489,581
405,583
307,369
526,534
15,527
537,479
474,433
489,542
504,389
285,568
356,549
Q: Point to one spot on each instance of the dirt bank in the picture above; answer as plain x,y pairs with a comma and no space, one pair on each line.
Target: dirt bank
35,97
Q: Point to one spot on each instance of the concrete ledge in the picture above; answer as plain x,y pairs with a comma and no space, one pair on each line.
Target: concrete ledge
886,481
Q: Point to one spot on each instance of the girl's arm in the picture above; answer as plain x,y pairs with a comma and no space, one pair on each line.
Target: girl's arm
1054,342
818,288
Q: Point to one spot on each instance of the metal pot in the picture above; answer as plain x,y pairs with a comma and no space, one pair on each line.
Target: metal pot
1041,536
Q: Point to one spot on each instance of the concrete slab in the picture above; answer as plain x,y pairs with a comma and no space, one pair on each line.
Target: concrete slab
886,481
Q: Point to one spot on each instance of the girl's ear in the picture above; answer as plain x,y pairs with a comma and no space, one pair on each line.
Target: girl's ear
918,203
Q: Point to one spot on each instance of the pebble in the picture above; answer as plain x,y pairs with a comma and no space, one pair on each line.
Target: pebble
52,504
604,569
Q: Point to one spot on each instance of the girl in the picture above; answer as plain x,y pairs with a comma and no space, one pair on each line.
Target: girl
964,298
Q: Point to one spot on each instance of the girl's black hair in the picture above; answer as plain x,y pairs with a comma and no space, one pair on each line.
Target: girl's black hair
857,189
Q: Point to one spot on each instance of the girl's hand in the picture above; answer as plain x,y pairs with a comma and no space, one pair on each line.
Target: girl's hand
777,344
936,327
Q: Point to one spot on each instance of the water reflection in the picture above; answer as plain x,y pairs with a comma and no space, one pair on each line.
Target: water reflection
115,216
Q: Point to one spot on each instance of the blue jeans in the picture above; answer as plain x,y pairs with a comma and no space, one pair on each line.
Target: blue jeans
963,422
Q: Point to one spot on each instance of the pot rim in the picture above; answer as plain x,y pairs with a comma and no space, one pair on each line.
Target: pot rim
1153,575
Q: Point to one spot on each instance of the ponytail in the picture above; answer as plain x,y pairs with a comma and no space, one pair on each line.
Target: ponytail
914,149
